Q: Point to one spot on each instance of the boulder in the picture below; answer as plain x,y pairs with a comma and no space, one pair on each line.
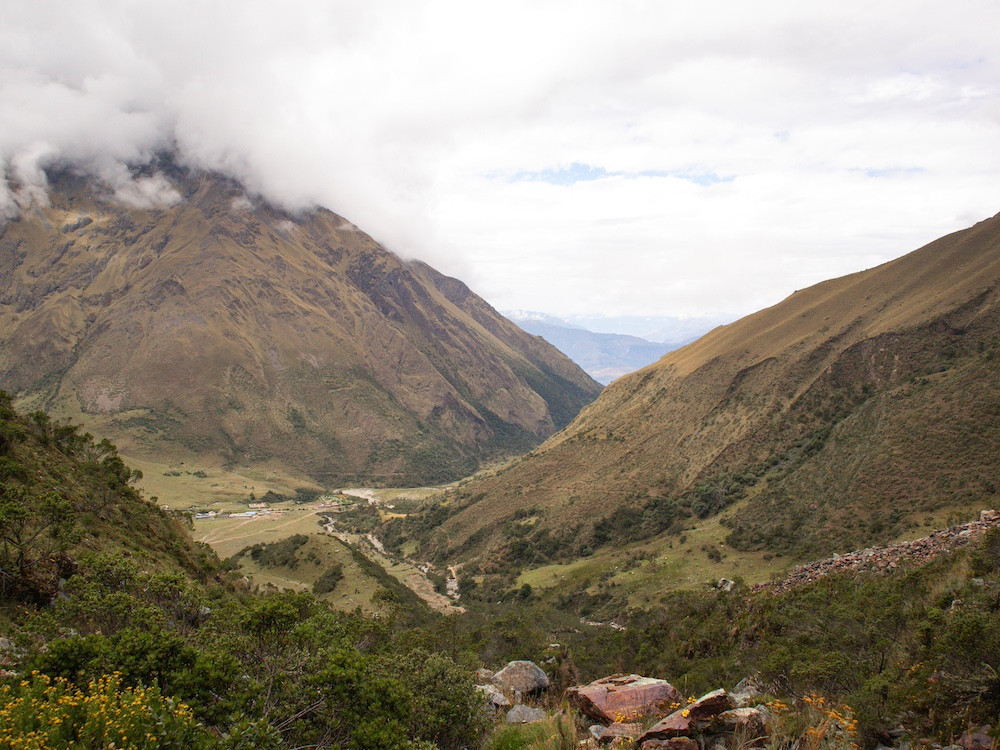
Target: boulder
710,705
624,697
522,714
750,721
674,743
522,677
625,730
493,697
484,676
675,725
989,516
747,692
697,716
977,739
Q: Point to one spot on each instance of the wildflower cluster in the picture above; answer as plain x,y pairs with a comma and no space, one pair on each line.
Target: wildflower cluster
815,724
41,713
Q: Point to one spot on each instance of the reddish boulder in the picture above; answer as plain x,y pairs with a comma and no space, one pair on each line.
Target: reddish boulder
977,739
619,729
698,715
710,705
678,724
624,697
675,743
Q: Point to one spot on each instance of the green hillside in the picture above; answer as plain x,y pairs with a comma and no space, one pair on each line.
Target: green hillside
848,414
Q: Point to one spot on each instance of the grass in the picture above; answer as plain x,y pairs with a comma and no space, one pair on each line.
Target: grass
175,484
643,571
228,536
356,588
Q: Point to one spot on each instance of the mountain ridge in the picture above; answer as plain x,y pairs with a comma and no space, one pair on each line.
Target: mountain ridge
227,326
802,422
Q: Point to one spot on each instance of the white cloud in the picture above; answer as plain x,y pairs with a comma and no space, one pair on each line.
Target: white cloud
733,152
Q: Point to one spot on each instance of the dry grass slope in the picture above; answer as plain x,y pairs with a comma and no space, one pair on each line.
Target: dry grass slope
228,329
838,417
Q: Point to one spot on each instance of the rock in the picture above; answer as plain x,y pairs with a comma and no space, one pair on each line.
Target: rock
710,705
522,677
625,730
675,743
624,698
748,720
725,584
596,730
675,725
696,716
484,676
493,697
747,692
977,739
522,714
989,516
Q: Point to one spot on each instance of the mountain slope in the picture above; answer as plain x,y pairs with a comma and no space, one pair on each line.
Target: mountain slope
604,356
64,496
833,418
223,326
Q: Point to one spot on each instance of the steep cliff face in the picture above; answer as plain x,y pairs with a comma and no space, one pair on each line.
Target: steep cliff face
224,325
834,418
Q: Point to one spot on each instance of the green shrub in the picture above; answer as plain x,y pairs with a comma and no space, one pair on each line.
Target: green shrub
329,580
280,554
46,714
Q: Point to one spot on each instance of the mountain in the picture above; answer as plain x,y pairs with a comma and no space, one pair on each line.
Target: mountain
224,326
662,329
841,416
603,356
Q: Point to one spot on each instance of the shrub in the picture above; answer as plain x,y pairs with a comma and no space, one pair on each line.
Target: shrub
329,580
45,714
280,554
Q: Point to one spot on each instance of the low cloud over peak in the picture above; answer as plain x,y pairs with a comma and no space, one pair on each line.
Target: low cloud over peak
716,159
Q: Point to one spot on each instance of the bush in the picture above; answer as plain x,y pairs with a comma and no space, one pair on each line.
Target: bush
281,554
46,714
329,580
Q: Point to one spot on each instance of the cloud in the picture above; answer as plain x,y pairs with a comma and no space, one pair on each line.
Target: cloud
640,157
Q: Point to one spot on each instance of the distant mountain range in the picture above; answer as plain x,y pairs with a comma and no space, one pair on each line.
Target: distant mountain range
224,326
840,417
602,350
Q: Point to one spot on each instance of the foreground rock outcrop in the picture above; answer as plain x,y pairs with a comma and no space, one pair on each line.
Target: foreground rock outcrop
624,698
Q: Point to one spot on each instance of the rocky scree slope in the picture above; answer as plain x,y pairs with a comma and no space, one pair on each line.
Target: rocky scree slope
829,421
224,326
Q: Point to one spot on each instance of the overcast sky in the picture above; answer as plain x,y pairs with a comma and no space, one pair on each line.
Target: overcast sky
625,157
